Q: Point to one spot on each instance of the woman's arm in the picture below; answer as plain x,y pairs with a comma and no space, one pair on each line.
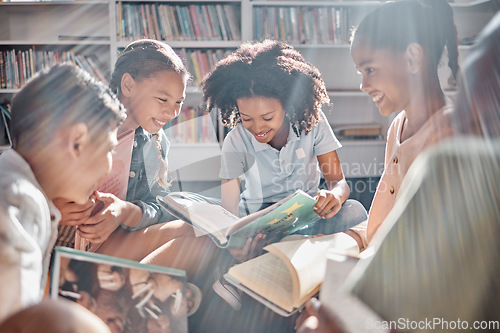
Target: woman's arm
331,200
230,195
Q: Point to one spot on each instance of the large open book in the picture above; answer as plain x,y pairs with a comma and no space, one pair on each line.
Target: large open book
127,295
291,272
227,230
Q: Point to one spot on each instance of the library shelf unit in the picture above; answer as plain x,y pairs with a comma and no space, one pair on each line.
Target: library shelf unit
40,33
102,28
329,50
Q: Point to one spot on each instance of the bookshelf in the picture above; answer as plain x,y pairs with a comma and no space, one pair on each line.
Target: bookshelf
302,24
34,34
100,29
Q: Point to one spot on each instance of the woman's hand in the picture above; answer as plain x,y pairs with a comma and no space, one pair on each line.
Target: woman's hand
251,249
329,204
73,213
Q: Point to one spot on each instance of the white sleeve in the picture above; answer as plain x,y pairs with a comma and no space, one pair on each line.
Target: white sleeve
325,140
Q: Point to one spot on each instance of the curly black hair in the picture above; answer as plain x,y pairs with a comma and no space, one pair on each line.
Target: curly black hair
269,69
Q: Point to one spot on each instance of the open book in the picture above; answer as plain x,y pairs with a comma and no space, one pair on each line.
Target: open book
125,294
227,230
290,273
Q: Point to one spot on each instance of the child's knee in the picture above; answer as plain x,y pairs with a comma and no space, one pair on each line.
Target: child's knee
354,211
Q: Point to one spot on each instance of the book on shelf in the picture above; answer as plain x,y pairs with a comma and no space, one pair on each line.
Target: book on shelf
367,131
291,272
193,125
178,22
229,231
18,66
303,24
200,62
197,28
125,294
225,34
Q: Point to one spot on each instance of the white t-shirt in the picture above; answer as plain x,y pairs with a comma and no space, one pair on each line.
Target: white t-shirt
28,231
272,174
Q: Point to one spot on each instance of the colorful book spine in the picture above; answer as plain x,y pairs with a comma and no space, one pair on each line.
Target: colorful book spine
303,24
18,66
193,125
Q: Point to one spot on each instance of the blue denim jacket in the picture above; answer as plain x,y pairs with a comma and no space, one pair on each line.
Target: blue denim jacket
143,184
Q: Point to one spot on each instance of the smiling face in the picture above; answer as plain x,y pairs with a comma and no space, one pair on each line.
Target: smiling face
264,118
385,76
153,101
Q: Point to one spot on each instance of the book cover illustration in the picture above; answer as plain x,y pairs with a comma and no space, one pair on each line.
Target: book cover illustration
126,295
286,218
227,230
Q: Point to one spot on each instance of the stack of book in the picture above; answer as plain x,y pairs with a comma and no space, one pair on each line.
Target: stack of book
368,131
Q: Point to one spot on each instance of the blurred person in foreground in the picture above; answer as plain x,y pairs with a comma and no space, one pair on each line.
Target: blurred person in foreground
437,254
64,126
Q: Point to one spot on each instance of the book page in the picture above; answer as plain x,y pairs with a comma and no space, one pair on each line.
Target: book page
207,218
308,256
268,276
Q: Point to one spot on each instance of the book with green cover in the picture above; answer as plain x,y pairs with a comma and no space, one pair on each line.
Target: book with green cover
229,231
127,295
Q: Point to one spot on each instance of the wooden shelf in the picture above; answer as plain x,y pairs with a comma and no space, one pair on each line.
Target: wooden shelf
193,44
40,23
54,3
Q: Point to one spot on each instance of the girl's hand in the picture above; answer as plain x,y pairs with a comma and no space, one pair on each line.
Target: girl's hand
251,249
73,213
105,220
328,204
